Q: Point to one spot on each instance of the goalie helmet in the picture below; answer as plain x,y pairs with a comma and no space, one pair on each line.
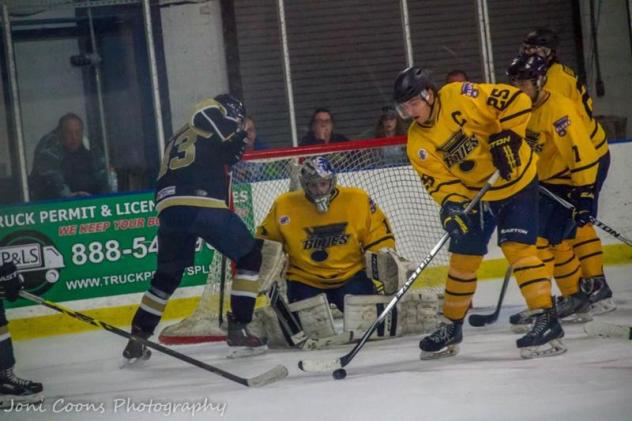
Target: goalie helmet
235,109
411,82
318,180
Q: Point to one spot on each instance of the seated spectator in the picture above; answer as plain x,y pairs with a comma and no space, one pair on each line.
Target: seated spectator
389,123
456,76
322,129
253,142
64,167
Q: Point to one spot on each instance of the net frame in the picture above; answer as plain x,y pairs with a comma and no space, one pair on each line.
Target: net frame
378,166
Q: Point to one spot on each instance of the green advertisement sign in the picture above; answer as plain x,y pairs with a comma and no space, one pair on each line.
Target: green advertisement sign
95,247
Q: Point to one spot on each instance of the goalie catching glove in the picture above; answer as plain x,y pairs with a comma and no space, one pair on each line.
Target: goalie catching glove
505,149
11,281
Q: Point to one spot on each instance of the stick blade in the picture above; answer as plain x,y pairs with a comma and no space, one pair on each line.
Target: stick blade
480,320
319,366
274,374
608,330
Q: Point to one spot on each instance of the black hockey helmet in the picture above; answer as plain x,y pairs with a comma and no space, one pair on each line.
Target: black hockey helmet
411,82
235,109
527,67
542,37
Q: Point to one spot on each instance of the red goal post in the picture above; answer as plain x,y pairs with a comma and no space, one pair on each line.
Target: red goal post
378,166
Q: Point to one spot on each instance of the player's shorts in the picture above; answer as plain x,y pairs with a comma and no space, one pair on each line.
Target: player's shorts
358,284
556,222
514,217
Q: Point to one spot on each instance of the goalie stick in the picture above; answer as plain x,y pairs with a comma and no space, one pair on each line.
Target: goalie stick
593,220
277,373
479,320
338,363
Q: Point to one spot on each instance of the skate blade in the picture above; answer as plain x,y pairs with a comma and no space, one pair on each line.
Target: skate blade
449,351
246,352
135,362
520,328
550,349
10,401
577,318
603,306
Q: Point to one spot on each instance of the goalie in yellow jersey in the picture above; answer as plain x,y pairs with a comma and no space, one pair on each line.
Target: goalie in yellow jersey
329,232
568,168
561,79
459,137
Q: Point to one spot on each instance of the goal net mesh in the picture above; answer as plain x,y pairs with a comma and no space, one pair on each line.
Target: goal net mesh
380,167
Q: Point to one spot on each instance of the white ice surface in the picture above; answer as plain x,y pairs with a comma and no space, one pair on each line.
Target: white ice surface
386,381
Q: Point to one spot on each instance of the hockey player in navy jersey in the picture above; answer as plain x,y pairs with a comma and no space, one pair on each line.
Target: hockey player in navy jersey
190,197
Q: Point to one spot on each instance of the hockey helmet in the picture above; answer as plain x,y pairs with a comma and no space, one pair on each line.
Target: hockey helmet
526,67
235,109
411,82
318,180
542,37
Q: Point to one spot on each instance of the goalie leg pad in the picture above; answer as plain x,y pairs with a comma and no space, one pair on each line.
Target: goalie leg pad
315,316
415,313
273,261
265,324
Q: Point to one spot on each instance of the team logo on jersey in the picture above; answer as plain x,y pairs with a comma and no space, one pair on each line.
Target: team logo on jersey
561,125
468,89
284,220
457,148
423,154
322,237
532,139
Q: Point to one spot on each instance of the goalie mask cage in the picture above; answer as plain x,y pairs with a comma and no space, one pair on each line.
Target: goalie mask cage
380,167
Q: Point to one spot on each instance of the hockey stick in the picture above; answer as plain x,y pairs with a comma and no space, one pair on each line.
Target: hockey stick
338,363
479,320
277,373
593,220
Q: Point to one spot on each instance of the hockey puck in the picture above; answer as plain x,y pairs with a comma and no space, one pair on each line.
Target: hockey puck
340,374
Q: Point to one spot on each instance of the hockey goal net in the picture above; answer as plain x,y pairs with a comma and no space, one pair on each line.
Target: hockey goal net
380,167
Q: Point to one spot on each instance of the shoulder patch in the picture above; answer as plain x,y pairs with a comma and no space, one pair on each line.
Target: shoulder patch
469,89
561,125
284,220
372,205
422,154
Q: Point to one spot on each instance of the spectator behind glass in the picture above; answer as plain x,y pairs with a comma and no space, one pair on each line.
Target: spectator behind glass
322,129
253,142
389,124
64,167
456,76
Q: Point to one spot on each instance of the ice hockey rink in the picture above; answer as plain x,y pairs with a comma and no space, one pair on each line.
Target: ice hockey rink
386,381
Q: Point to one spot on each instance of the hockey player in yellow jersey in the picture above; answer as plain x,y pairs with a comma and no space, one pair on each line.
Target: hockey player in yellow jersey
459,137
325,230
561,79
567,167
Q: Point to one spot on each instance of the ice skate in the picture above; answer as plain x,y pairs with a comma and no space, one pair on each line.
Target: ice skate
544,338
136,352
14,390
600,295
574,309
443,342
521,322
243,342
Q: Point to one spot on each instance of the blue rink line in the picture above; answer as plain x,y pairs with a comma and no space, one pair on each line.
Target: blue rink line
613,141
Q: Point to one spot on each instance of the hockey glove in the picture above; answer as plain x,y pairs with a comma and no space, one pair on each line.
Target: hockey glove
10,281
504,147
234,148
583,199
454,219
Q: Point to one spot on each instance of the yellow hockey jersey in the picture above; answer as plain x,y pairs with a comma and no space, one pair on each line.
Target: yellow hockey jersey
557,134
451,153
326,249
562,79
